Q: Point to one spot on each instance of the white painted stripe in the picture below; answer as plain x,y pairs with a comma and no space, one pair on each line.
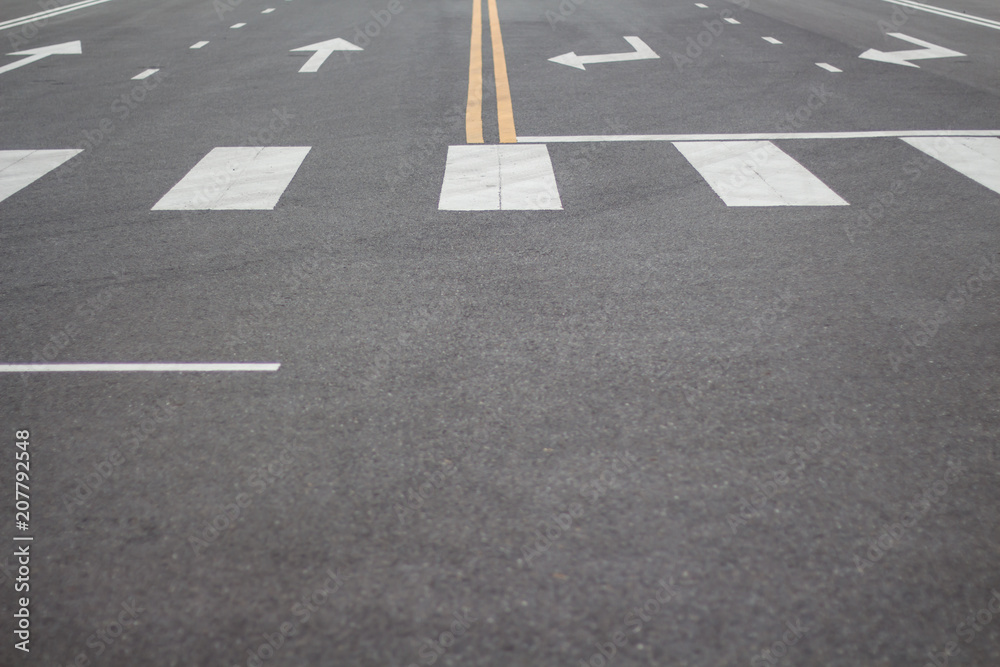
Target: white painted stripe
133,368
237,25
243,179
760,136
198,45
977,158
756,173
268,10
828,67
941,11
527,180
65,9
18,169
731,20
145,73
698,4
771,40
499,177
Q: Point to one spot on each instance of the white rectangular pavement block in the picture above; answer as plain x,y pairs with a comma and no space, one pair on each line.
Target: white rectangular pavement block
239,179
756,173
499,177
18,169
976,157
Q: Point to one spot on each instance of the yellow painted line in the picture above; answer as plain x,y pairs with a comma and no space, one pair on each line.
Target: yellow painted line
505,112
474,105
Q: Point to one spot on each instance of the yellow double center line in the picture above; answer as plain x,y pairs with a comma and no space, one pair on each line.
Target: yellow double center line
474,105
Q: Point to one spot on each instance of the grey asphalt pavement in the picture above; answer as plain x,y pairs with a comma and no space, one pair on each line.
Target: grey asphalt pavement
654,426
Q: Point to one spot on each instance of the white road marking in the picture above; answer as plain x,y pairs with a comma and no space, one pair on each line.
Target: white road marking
642,52
64,49
760,136
977,158
698,4
236,25
731,20
31,18
18,169
756,173
771,40
268,10
903,57
131,368
499,177
235,179
829,68
941,11
324,50
198,45
144,74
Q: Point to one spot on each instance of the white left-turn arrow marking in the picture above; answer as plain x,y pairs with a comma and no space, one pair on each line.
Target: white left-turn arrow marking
323,51
64,49
642,52
903,57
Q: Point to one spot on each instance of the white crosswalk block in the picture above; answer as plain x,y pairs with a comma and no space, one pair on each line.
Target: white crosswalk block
505,177
18,169
238,179
756,173
976,157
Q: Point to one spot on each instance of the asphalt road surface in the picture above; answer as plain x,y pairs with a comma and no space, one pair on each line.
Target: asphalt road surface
498,332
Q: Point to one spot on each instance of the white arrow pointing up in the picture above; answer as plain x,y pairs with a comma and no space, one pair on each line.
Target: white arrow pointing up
323,51
902,57
642,52
64,49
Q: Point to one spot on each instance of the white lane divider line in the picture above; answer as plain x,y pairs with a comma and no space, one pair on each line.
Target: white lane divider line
499,177
139,368
19,169
236,179
731,20
702,5
40,16
759,136
145,73
941,11
236,25
978,158
771,40
268,10
756,173
828,67
198,45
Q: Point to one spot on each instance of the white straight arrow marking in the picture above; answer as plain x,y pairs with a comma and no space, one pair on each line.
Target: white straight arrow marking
902,57
64,49
323,51
642,52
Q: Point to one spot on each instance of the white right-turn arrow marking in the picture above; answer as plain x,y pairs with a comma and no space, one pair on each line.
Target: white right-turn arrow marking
642,52
903,57
64,49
